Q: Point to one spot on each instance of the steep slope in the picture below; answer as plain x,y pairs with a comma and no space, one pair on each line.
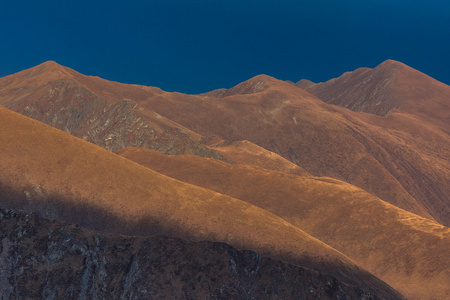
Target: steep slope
96,110
390,87
326,140
55,174
409,252
247,153
69,262
417,118
401,158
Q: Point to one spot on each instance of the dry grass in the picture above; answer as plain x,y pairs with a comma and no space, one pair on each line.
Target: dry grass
409,252
66,176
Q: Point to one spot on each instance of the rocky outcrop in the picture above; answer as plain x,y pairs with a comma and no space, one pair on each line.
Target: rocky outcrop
68,106
47,259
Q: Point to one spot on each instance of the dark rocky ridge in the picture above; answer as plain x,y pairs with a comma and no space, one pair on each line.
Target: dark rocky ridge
48,259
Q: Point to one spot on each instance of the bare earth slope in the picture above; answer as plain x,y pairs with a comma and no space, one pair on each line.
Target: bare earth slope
402,158
408,252
57,175
417,113
391,86
388,157
95,110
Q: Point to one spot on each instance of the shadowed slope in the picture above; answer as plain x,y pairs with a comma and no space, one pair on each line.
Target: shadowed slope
408,252
50,172
69,262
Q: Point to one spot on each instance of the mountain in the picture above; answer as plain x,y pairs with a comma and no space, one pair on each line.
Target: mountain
346,218
344,187
95,109
416,111
56,175
401,158
390,87
394,158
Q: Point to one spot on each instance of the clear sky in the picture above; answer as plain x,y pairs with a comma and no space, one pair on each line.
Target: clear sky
197,46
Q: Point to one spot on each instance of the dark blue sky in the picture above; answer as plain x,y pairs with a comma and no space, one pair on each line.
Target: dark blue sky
196,46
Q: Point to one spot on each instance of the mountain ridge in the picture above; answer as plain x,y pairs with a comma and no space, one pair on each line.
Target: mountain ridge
294,165
323,139
389,87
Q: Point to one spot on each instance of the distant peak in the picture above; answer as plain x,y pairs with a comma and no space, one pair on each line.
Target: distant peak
253,85
390,63
44,72
305,84
50,65
261,77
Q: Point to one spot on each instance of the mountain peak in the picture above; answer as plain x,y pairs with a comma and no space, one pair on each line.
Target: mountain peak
305,84
50,64
43,73
390,86
391,62
253,85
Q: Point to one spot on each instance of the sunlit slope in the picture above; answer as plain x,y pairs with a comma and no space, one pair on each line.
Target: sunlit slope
390,87
97,110
409,252
324,139
247,153
413,130
57,175
401,158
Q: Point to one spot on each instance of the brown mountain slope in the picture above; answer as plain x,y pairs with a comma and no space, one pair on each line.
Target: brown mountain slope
401,158
69,262
95,110
390,87
417,116
305,84
408,252
55,174
247,153
325,140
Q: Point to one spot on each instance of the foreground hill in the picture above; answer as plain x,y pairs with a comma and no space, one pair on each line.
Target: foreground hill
57,175
408,252
70,262
401,158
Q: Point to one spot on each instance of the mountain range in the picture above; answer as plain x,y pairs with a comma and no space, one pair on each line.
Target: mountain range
347,179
